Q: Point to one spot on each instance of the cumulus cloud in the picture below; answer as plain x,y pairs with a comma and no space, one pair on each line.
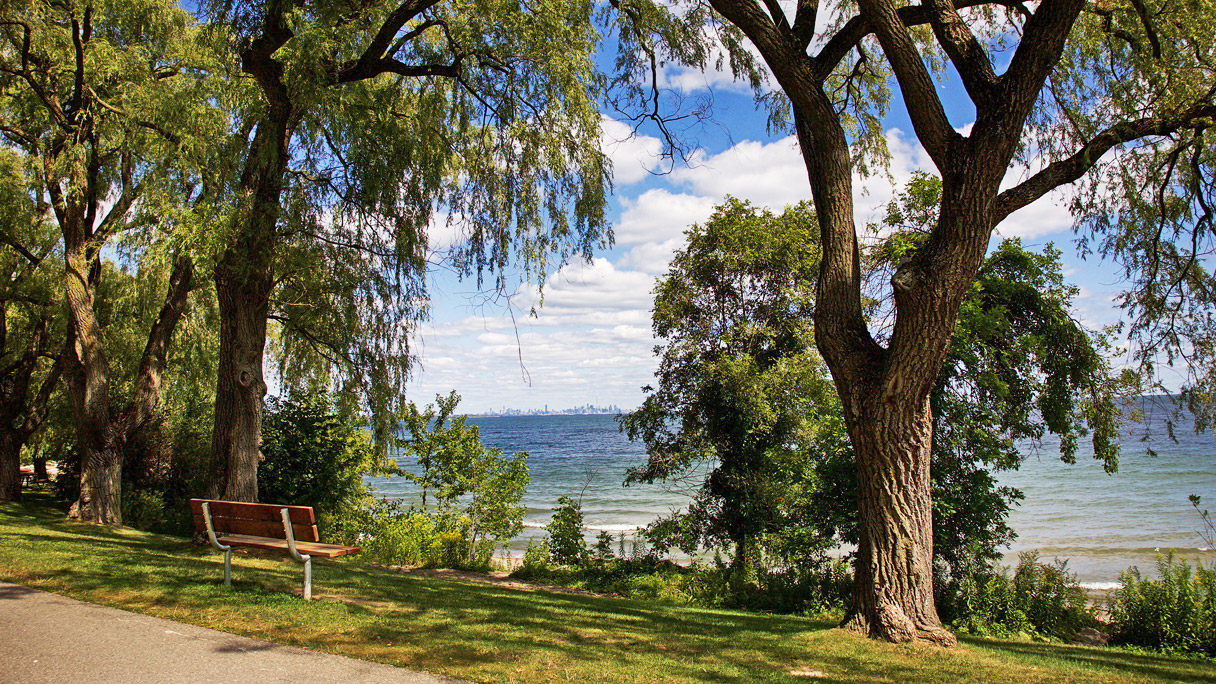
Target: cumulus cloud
768,174
651,257
592,330
634,156
659,214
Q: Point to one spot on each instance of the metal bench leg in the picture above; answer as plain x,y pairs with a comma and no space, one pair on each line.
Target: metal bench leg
228,567
308,579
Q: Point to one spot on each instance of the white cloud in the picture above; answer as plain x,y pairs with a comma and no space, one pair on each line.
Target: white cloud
768,174
651,257
658,215
717,74
634,156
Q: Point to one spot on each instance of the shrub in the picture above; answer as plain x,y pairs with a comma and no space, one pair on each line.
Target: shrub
566,544
1041,599
602,551
143,509
315,457
415,537
536,560
1176,612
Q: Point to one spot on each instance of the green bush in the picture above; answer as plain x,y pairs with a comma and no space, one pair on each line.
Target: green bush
143,509
418,538
536,560
565,529
1176,612
1041,599
315,457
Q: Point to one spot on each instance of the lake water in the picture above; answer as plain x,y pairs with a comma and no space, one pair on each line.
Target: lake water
1101,523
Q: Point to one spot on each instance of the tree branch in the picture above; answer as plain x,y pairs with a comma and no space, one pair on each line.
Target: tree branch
804,23
855,29
1037,54
375,58
919,93
1072,168
965,52
152,364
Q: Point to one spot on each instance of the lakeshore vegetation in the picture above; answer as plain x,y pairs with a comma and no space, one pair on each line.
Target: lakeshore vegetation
508,633
188,194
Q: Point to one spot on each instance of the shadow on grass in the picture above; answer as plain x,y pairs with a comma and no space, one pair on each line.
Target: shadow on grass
1169,668
492,632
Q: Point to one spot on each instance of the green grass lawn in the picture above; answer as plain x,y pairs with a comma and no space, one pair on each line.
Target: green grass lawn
493,633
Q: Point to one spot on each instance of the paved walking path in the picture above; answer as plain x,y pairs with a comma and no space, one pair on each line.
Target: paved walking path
50,639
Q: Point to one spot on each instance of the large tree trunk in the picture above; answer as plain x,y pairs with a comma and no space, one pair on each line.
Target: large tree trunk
89,382
244,278
10,467
101,433
100,486
893,595
240,387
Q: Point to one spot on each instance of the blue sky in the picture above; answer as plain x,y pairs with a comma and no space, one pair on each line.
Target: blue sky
591,341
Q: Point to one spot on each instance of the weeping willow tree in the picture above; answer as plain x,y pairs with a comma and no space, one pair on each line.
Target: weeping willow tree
31,363
1115,96
96,101
360,129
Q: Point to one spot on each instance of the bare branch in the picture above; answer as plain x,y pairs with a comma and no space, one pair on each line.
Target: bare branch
1067,170
1037,54
919,92
804,23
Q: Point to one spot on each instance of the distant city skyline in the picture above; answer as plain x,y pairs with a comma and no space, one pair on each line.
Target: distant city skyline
584,410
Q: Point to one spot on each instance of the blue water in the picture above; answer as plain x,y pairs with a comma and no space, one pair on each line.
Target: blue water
1101,523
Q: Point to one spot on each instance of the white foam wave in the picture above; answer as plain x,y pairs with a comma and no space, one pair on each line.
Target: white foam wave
613,528
1100,586
606,527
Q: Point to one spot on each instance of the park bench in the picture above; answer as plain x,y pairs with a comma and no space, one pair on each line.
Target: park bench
290,529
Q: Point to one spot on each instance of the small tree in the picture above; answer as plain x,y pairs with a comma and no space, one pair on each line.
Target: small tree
457,467
565,529
738,374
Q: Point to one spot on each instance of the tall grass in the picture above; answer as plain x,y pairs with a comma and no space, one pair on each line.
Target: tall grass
1175,613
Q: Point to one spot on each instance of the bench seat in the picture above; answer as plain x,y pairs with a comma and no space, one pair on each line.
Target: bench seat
290,529
315,549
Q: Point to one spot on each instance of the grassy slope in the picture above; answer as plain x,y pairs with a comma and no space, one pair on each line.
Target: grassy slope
497,634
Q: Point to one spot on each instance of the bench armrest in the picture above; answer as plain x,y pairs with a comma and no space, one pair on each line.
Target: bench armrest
211,529
290,536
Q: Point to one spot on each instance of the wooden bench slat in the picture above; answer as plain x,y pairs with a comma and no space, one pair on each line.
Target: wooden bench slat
309,548
257,528
300,515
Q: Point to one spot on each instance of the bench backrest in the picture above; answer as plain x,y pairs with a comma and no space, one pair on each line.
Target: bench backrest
259,520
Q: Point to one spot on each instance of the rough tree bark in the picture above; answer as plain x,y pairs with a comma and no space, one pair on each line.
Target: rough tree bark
10,467
240,388
884,390
244,278
102,431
